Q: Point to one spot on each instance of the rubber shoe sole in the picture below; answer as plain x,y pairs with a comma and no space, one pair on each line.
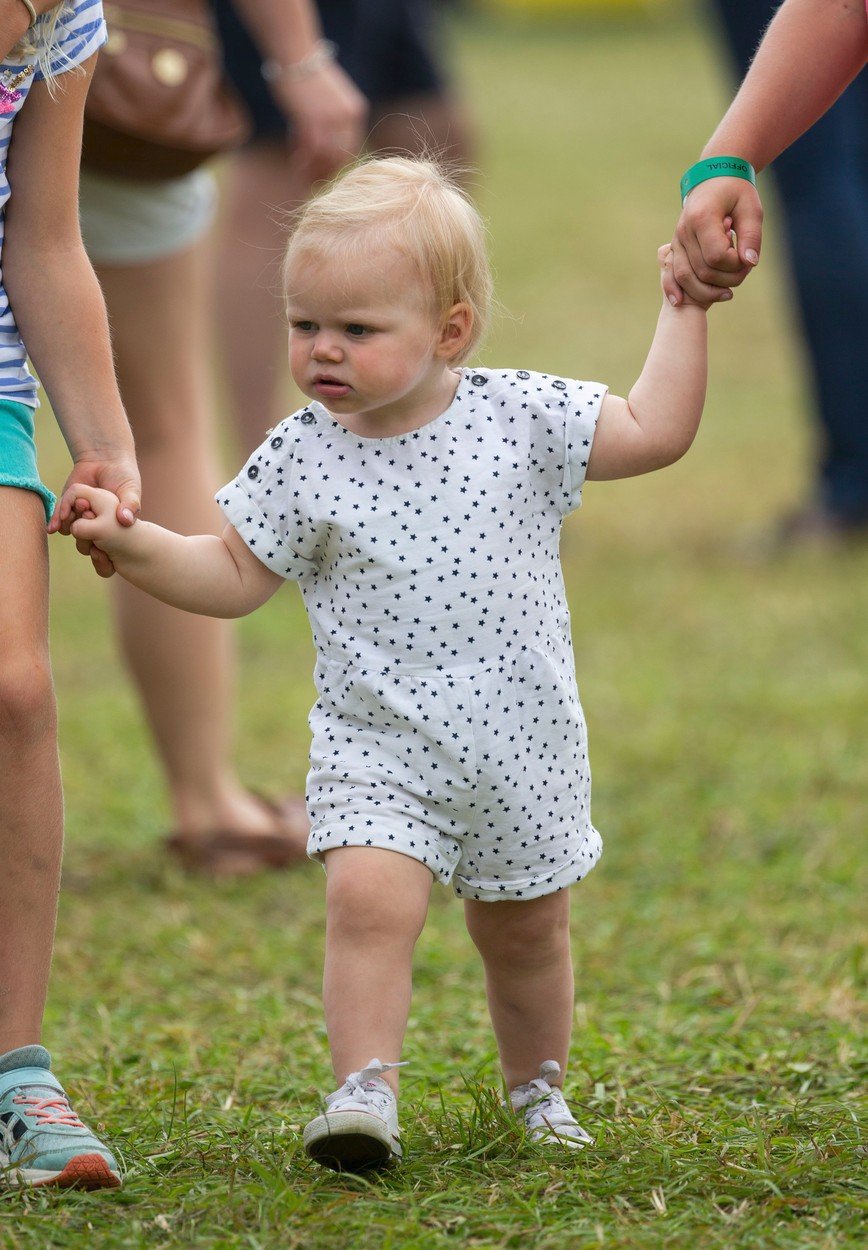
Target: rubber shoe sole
85,1171
350,1141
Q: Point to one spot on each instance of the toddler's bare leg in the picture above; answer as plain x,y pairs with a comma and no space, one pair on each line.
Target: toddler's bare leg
376,903
525,947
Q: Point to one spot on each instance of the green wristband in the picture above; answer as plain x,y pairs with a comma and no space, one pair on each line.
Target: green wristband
716,167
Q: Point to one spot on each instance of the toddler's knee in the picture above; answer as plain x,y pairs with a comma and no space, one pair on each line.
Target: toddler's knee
524,938
359,911
27,707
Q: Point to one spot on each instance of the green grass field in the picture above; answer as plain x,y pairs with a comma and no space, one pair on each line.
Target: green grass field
717,1053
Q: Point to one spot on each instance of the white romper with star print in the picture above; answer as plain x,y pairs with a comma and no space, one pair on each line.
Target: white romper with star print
448,725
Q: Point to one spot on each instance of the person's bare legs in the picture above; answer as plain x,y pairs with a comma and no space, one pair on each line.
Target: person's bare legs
31,804
376,904
525,948
182,664
263,183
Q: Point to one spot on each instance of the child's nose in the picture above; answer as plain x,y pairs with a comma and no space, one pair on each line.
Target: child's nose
326,347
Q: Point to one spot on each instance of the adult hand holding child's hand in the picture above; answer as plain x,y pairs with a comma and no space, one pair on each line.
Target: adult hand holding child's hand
93,523
665,259
118,477
716,242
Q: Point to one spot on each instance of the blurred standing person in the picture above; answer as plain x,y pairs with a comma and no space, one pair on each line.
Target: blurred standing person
147,241
392,51
811,51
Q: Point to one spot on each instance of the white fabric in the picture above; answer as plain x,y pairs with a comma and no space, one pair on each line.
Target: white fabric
124,222
448,725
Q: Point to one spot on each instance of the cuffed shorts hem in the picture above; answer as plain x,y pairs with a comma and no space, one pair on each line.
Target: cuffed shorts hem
414,845
48,499
18,452
533,887
445,871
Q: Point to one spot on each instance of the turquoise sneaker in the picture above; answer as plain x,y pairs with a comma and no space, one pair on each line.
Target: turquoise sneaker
42,1140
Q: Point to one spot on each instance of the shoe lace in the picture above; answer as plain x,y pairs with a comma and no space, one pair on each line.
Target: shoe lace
361,1087
49,1110
543,1106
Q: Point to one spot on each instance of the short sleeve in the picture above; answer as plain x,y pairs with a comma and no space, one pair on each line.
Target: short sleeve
584,402
259,504
79,33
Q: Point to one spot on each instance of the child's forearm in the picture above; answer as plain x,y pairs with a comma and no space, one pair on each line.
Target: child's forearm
657,422
667,398
198,574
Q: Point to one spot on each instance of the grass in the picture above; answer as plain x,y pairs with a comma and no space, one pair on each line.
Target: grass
719,1052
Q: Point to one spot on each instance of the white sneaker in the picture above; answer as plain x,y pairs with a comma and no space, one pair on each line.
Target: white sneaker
547,1117
359,1129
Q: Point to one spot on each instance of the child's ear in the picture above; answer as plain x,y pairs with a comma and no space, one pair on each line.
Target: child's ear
455,331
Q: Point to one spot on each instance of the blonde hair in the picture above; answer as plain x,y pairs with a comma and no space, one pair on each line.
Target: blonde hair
40,41
414,206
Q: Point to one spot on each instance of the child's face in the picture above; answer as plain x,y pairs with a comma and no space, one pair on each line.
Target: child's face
366,343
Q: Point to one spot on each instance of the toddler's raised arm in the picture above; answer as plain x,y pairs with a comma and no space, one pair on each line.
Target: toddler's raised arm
656,423
205,574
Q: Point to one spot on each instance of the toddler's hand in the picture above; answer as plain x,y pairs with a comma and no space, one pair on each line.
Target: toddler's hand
95,527
664,259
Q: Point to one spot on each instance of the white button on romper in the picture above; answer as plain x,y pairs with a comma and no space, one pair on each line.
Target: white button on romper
448,725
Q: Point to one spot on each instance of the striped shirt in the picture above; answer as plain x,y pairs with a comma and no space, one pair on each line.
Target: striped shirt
79,32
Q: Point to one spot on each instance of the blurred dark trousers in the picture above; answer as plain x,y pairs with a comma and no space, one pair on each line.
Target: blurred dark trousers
823,184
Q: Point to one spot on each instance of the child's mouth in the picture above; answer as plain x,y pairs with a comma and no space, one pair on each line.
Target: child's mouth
331,388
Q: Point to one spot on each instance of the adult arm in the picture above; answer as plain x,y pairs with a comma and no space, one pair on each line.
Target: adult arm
810,53
15,21
325,107
54,293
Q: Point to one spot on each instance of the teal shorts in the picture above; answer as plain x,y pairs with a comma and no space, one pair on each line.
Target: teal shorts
18,452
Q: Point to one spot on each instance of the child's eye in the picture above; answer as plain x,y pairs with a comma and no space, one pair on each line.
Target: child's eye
306,327
356,331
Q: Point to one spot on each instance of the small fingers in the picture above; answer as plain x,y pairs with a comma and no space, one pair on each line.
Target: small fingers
704,292
671,289
101,563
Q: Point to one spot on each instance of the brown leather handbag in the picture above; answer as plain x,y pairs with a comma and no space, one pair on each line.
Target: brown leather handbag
159,103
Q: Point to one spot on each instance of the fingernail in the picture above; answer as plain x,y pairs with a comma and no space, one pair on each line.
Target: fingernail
673,301
726,295
127,515
751,256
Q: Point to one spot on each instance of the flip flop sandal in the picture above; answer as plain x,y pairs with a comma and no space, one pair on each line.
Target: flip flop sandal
231,853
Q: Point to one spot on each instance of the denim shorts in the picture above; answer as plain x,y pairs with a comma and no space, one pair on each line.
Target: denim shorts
390,49
18,452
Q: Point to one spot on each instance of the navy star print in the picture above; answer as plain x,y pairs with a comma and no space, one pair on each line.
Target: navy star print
448,725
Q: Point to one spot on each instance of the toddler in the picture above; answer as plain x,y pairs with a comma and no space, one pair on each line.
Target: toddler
419,503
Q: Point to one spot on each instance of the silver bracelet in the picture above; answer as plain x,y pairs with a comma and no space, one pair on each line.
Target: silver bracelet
323,54
34,16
